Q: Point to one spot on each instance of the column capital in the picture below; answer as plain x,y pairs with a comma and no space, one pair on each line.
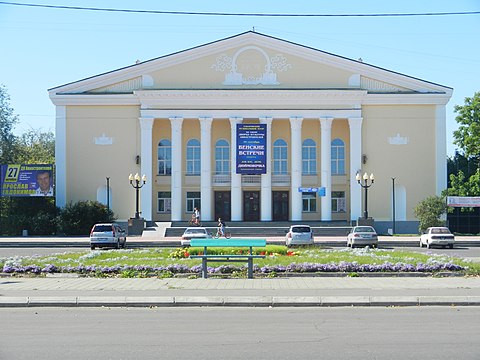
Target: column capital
355,122
234,120
146,123
266,120
326,122
176,123
205,122
296,122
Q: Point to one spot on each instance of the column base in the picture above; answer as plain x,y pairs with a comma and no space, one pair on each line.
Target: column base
136,226
365,221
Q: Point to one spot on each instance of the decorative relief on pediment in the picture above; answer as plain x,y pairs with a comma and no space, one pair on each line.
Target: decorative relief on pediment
103,140
380,86
398,140
121,87
251,65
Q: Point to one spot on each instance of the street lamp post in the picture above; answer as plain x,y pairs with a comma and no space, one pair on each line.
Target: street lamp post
366,184
135,181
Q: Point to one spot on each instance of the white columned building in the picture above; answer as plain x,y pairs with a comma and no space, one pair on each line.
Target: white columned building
176,208
355,125
146,126
236,181
326,167
266,185
206,168
296,166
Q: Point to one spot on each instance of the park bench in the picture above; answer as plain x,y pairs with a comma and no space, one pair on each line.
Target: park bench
209,243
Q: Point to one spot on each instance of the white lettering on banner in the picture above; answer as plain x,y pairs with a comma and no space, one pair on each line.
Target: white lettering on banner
463,201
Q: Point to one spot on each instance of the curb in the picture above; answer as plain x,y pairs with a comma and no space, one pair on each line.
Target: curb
238,301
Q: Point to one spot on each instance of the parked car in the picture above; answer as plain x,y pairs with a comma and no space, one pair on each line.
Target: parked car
440,236
107,235
362,236
299,235
194,233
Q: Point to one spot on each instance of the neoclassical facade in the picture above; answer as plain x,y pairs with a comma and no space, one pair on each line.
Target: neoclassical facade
175,119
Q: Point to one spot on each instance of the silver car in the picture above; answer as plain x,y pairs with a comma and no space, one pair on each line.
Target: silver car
362,236
107,235
299,235
194,233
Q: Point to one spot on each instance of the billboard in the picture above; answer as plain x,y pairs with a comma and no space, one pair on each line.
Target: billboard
463,201
251,149
26,180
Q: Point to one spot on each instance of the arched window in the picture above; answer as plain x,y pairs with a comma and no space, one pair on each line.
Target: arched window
338,157
164,157
222,157
193,157
280,157
309,157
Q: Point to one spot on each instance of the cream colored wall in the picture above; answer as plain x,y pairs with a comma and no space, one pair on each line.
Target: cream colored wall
200,73
413,165
89,164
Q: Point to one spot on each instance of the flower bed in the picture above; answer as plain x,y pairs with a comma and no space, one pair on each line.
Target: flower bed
279,260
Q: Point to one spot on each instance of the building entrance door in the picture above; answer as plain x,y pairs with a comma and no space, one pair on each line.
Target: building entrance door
222,205
251,205
280,205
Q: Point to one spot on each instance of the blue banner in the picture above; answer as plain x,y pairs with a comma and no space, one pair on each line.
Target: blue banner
26,180
251,149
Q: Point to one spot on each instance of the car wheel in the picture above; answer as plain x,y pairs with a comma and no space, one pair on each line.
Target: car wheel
450,246
92,247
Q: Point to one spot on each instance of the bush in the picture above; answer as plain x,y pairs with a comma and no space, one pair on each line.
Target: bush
78,218
428,212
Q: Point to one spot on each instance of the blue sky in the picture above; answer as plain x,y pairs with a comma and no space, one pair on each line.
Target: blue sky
44,48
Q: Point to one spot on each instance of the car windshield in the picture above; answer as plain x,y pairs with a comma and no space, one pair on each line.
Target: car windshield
195,231
440,231
300,229
364,229
102,228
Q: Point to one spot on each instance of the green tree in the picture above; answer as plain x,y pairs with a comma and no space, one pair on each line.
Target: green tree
429,211
467,137
78,218
7,123
36,147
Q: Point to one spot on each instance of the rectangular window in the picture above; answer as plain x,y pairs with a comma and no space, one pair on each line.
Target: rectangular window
164,201
193,201
309,202
338,202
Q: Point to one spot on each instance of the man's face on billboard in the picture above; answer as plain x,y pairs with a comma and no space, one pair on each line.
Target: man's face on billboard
43,180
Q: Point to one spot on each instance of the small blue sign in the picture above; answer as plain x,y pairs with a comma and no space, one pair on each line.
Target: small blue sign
322,191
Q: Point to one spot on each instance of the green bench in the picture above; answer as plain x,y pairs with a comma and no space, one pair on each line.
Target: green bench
209,243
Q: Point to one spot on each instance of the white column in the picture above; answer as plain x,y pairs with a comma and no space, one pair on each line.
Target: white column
355,125
60,156
206,168
266,193
236,182
440,148
146,126
296,146
326,168
176,124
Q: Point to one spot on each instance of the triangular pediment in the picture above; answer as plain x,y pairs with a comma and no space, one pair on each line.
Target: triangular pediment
250,61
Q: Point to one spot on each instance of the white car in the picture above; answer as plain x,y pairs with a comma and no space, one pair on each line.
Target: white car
362,235
299,235
439,236
194,233
107,235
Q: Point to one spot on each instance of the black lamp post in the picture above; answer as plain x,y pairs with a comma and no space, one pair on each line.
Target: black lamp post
366,184
135,182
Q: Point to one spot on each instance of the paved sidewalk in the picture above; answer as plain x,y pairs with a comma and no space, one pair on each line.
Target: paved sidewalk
62,291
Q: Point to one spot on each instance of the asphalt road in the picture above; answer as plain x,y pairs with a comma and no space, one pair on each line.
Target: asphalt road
238,333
